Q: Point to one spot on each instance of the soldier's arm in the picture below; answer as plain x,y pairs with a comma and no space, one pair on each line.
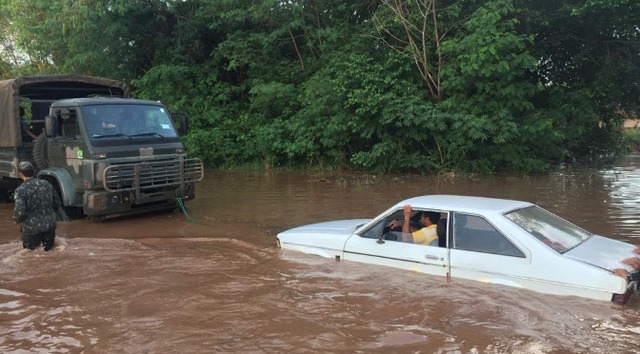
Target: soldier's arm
19,207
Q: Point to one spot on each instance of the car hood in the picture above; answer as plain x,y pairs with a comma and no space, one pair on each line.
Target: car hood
338,227
326,239
603,252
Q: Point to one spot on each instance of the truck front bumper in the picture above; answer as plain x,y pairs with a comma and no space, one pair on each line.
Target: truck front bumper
97,203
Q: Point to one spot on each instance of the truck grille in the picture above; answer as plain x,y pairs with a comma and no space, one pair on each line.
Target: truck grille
152,174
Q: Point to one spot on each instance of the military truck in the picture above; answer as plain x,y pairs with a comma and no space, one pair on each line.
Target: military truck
105,153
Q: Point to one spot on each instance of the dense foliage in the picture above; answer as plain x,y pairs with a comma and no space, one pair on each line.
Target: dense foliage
377,85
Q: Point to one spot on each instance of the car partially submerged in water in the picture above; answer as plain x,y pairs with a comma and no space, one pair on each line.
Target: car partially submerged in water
497,241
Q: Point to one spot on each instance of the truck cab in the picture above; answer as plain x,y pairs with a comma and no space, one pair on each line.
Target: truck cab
106,155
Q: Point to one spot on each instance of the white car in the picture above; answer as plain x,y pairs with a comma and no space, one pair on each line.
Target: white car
490,240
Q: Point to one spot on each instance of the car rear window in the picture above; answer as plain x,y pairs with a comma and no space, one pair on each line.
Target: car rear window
552,230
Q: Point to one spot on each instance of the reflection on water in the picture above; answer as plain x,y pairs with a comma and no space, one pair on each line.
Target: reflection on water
623,183
159,284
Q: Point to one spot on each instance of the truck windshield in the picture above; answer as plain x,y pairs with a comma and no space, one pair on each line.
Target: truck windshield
128,121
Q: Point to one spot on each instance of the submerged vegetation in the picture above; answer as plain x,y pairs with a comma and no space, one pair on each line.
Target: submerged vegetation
377,86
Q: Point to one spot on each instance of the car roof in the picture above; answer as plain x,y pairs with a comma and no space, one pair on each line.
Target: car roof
463,203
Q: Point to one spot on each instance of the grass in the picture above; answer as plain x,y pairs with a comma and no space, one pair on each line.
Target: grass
632,136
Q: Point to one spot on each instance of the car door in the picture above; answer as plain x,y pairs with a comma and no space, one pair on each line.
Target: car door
370,246
480,252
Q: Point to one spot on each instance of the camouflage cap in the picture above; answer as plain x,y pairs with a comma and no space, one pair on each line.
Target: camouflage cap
26,168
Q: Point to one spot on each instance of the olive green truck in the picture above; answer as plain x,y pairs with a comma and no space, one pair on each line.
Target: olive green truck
105,153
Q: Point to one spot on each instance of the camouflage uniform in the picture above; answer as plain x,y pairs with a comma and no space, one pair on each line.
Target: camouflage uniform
36,203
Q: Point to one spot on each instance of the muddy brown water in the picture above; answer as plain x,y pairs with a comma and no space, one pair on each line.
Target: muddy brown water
162,284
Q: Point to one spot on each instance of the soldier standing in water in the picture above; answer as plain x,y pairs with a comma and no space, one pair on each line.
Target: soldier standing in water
35,208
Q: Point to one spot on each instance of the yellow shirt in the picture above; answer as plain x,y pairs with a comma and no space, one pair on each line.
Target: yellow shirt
426,236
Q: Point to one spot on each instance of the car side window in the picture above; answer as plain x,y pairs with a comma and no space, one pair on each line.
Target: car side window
374,231
387,231
474,233
381,228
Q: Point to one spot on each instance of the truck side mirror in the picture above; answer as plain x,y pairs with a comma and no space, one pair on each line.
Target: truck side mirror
183,122
50,124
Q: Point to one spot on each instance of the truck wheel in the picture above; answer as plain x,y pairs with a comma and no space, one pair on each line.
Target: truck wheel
73,213
40,151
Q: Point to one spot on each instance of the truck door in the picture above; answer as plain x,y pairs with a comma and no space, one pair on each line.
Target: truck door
66,147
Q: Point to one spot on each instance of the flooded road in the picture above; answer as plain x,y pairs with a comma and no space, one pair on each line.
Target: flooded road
163,284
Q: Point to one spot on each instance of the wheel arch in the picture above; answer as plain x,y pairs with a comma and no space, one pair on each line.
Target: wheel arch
62,181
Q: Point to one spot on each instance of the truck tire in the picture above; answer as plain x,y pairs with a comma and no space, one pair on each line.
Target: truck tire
40,151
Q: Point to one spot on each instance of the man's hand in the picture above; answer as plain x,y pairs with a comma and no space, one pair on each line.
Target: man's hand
407,212
633,262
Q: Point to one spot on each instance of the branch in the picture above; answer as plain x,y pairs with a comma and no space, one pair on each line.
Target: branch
420,26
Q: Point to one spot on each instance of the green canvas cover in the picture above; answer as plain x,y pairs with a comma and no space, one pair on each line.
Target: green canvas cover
46,89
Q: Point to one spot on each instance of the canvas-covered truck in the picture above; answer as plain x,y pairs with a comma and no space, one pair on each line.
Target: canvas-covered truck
105,153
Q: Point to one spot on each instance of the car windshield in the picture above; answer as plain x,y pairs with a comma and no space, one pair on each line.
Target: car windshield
554,231
128,121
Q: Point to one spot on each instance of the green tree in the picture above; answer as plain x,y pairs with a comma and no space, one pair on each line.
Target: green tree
412,28
111,38
488,94
381,86
588,56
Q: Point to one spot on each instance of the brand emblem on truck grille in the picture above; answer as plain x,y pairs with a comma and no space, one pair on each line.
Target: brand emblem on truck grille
146,152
